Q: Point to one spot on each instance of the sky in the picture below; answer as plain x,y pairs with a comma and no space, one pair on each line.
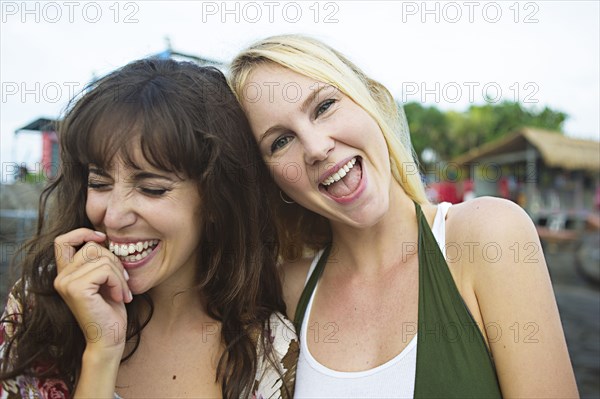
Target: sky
451,54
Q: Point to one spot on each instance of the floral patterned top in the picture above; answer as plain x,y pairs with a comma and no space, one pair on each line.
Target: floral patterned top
269,383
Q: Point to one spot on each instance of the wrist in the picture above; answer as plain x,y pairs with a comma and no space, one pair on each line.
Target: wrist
102,355
99,370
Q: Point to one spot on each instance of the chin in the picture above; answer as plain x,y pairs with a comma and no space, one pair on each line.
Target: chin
138,287
367,220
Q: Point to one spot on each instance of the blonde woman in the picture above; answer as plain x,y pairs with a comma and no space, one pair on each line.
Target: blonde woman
402,298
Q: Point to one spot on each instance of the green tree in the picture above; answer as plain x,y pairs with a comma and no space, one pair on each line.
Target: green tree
452,133
427,125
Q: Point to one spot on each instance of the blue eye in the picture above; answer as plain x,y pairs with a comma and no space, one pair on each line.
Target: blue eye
280,142
323,107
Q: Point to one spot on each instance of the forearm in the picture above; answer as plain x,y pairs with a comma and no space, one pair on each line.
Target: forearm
98,375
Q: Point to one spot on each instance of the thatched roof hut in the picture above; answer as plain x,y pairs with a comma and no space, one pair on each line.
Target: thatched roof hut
555,149
539,169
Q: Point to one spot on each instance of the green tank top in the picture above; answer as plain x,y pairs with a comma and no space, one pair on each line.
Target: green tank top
453,360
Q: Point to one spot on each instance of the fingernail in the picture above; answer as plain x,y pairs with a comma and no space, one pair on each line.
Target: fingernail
101,234
126,275
130,296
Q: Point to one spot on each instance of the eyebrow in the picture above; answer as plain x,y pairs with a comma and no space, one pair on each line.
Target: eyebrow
141,175
312,97
97,171
268,132
137,175
305,104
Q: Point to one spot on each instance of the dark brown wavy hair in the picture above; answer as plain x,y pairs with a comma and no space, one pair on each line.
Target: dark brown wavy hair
189,123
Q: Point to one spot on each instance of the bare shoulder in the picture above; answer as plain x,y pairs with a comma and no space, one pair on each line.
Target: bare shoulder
503,259
293,277
501,242
489,218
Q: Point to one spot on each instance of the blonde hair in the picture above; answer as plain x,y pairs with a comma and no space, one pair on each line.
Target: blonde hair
312,58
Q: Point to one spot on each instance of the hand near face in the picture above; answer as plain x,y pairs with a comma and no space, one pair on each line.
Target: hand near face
93,283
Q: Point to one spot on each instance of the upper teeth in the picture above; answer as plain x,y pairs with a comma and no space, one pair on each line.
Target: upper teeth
340,173
124,249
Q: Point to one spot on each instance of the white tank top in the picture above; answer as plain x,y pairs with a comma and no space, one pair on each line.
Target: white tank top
393,379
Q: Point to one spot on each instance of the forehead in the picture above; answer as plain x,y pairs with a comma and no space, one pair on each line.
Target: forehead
127,158
273,94
273,83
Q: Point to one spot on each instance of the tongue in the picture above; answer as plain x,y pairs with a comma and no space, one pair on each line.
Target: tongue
348,184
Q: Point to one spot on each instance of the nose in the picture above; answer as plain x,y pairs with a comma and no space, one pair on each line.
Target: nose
317,146
120,210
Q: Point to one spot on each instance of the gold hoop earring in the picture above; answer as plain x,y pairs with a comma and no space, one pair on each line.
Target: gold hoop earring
281,195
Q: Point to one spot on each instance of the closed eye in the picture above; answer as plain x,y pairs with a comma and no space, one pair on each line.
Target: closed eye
96,185
98,178
153,192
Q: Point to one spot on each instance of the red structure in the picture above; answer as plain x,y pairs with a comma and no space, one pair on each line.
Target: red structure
50,157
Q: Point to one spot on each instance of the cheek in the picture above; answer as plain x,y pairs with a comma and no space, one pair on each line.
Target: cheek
94,209
376,138
279,178
290,176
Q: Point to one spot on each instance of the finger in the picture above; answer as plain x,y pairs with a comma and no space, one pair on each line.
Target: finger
101,277
84,296
89,252
65,245
109,282
93,254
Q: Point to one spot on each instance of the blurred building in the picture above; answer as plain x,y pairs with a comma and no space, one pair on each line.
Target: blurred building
539,169
49,161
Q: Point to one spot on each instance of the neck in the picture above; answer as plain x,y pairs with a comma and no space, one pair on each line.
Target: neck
175,307
371,251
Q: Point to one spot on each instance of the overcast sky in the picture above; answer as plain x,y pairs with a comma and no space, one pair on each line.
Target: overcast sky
449,54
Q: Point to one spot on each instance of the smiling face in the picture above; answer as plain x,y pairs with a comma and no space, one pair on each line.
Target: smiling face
150,218
322,149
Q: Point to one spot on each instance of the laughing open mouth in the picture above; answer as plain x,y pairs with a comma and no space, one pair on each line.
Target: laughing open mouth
131,252
345,180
